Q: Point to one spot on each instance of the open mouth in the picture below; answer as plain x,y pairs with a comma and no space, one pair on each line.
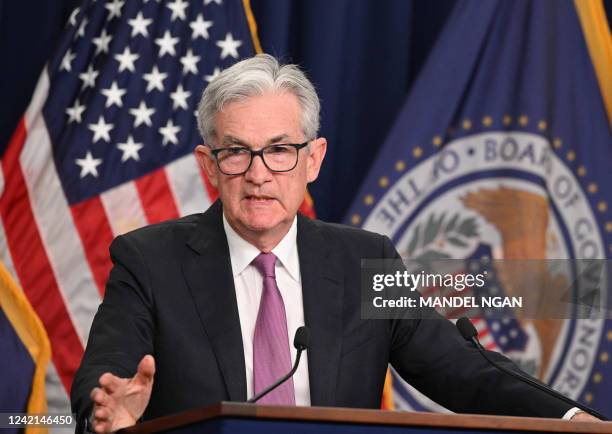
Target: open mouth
259,199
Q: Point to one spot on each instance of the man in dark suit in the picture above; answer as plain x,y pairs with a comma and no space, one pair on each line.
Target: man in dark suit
201,309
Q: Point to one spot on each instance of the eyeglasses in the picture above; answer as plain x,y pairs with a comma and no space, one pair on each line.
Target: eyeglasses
236,160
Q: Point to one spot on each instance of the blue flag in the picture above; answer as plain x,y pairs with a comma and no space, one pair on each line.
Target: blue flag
504,146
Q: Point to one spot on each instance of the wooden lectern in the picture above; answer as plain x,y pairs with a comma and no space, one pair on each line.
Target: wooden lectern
239,418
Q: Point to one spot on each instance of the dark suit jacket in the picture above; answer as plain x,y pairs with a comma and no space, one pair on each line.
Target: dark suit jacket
171,294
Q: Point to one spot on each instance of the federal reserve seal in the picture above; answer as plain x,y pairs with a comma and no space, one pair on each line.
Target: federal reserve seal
510,195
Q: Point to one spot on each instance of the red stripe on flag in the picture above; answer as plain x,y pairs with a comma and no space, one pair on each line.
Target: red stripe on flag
32,265
482,333
96,234
157,200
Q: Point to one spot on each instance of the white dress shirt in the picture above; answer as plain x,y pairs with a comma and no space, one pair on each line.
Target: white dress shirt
249,286
571,413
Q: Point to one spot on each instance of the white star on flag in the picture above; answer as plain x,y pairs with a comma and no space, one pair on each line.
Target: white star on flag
113,95
214,75
169,132
229,46
142,114
166,44
74,112
207,2
73,15
155,79
126,60
189,62
101,130
200,27
139,25
178,9
89,77
89,165
179,97
67,61
102,42
81,31
114,9
130,149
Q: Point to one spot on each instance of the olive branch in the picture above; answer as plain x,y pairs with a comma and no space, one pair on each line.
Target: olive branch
436,232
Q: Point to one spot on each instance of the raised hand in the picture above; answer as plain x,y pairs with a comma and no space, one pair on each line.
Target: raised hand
120,402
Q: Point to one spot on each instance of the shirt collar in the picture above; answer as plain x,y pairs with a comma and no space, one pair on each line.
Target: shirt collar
242,252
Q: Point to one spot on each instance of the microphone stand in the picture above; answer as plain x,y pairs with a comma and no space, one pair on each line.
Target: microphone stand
273,386
469,333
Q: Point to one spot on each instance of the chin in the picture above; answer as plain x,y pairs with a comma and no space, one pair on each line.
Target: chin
263,216
263,223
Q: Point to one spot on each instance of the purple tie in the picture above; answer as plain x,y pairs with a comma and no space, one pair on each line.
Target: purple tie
271,357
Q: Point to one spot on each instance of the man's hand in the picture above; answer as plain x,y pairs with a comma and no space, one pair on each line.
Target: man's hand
582,416
120,402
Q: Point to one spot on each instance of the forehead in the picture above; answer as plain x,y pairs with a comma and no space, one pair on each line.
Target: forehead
260,118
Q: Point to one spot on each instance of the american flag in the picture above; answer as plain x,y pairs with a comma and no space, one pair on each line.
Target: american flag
104,147
498,329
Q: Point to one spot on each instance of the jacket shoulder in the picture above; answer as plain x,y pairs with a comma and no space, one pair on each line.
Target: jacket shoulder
161,235
342,231
351,240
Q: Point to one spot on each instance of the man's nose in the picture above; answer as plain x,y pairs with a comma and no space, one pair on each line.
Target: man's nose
258,172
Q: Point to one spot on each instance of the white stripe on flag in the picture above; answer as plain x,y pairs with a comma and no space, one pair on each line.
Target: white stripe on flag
41,91
54,221
187,186
5,254
488,339
57,398
123,208
479,324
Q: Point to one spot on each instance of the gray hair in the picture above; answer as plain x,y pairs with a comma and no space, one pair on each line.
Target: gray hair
255,76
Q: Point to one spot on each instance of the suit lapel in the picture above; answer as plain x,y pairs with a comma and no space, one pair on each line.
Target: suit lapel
322,288
208,273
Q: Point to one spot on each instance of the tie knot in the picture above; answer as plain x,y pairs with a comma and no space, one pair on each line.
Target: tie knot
265,263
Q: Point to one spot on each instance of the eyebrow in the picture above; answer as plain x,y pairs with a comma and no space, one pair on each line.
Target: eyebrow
228,139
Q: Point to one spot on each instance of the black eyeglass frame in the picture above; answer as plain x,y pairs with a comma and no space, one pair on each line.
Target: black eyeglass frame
260,153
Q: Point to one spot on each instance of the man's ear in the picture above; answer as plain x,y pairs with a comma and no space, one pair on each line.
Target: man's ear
316,154
207,163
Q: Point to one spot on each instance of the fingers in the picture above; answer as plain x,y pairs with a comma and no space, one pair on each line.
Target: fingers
99,397
119,402
101,421
101,414
101,426
146,371
109,382
584,417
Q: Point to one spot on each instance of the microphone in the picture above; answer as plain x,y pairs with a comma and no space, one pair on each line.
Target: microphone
300,342
469,333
